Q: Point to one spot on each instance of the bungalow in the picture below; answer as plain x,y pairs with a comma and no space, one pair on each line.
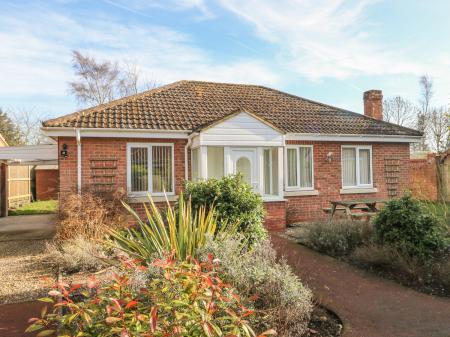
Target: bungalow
297,153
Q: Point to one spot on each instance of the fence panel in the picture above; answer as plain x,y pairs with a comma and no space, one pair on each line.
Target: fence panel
19,185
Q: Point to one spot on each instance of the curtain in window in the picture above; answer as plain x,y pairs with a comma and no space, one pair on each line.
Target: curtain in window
349,166
305,167
139,169
195,164
215,162
161,169
364,166
292,167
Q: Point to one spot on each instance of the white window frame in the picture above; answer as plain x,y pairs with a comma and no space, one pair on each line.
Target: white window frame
297,187
358,177
149,147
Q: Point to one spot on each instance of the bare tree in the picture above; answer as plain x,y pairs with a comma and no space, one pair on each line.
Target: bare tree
439,128
426,94
28,122
99,82
399,111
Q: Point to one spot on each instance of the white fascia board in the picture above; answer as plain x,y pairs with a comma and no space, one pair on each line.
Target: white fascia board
353,138
115,133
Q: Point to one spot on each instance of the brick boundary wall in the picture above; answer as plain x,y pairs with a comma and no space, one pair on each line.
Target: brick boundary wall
423,181
47,184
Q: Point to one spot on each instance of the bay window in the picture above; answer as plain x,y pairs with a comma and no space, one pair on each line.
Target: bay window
150,168
356,166
299,168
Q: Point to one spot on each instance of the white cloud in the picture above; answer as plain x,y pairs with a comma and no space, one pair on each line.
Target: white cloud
36,46
322,38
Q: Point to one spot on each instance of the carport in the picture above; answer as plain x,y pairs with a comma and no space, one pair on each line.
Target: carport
45,154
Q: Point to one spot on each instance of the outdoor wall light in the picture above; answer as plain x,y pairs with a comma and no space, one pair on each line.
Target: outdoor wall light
64,151
329,157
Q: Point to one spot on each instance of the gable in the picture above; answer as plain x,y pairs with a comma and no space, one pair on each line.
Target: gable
241,129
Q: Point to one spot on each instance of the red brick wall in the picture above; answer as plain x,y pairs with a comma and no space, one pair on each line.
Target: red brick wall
327,175
47,184
423,179
98,148
275,215
327,178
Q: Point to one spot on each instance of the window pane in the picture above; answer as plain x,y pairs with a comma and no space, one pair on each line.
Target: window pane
215,162
195,164
270,169
267,175
292,167
305,167
244,166
139,169
161,169
364,166
349,166
274,153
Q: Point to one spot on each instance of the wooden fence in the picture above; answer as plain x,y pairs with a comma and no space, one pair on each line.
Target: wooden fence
19,185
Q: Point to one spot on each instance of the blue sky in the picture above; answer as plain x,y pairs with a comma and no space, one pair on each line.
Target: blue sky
326,50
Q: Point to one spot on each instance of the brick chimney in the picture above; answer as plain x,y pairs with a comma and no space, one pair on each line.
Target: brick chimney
373,104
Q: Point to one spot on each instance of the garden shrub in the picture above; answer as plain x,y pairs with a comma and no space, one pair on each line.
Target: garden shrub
189,300
179,231
403,223
234,201
90,216
337,238
75,255
284,302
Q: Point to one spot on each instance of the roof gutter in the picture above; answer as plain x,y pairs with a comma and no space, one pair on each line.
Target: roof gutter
116,132
353,138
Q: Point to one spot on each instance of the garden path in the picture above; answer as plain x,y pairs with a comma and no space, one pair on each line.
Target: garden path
369,306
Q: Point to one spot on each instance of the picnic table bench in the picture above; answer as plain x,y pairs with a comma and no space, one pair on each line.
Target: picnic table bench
365,208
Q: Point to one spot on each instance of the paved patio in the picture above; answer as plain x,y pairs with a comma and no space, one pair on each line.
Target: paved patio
27,227
368,305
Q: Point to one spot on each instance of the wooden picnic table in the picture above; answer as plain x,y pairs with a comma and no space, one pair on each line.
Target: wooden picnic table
364,207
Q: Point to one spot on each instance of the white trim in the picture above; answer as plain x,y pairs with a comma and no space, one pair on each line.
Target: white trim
298,187
301,193
155,198
357,190
116,133
358,174
78,137
148,146
353,138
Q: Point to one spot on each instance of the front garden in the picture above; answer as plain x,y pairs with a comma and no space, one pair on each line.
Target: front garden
409,242
201,267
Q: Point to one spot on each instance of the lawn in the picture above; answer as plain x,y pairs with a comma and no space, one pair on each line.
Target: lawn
37,207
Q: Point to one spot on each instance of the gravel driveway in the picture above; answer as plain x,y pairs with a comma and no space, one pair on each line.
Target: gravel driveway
23,270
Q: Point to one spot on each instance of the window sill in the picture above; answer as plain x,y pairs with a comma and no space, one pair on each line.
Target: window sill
358,190
273,199
140,199
301,193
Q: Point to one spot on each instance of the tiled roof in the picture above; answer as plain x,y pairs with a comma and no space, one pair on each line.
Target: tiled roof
189,105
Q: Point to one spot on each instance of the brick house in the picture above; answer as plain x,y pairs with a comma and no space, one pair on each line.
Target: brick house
297,153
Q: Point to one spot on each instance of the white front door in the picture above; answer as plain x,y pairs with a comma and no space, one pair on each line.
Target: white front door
244,162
